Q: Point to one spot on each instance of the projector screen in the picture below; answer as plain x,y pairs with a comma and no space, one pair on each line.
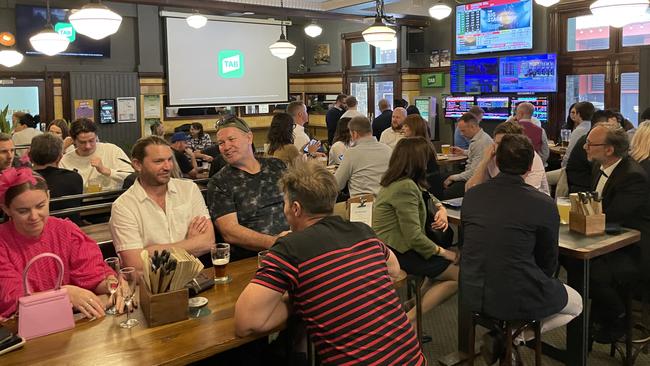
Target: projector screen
224,63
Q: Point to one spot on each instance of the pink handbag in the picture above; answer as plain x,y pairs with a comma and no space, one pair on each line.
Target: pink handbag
45,312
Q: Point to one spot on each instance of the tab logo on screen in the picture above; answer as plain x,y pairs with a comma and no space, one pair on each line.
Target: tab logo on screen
231,64
66,30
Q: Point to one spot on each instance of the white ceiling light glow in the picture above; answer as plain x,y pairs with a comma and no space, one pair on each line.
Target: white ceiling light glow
48,41
95,21
313,29
10,57
282,48
440,11
379,34
547,3
196,21
618,13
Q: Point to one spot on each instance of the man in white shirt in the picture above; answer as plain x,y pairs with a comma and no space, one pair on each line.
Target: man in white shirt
24,133
298,111
103,163
352,103
392,135
159,212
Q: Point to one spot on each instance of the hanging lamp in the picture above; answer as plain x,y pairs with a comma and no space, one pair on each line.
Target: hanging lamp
313,29
619,13
48,41
95,21
379,34
9,57
282,48
440,10
196,20
547,3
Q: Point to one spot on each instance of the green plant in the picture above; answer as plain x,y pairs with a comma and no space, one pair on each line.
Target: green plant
4,124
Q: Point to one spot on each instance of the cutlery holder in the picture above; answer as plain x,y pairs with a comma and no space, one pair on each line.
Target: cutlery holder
587,225
165,308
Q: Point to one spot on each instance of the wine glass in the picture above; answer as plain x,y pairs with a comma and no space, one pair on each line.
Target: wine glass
112,281
130,280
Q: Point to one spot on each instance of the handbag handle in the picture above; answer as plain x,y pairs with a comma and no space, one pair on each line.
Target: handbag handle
59,263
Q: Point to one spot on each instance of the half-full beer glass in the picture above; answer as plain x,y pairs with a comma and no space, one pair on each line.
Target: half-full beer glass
220,253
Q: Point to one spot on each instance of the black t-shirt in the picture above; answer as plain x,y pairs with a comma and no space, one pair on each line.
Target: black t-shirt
184,163
63,182
256,198
217,162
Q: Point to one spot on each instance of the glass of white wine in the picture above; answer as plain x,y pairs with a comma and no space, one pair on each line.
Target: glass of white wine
129,280
112,281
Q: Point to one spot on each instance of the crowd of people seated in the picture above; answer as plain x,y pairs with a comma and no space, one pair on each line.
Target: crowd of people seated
318,263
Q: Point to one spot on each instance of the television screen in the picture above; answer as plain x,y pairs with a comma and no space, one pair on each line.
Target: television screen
475,76
494,107
30,20
494,25
540,103
236,70
107,111
532,73
455,107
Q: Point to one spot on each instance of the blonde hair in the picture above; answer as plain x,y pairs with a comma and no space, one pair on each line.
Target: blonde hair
312,185
641,142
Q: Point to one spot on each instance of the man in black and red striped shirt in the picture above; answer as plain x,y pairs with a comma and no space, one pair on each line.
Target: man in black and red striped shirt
337,276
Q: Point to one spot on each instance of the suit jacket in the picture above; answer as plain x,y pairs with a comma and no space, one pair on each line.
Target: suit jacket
578,168
626,201
381,123
331,120
509,255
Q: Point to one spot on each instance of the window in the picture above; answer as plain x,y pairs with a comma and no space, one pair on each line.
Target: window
587,33
383,90
383,56
630,96
589,88
360,91
360,54
637,34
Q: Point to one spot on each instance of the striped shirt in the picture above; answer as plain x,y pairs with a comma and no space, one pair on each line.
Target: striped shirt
337,276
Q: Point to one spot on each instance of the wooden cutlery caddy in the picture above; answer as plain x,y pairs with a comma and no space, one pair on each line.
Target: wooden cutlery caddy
164,308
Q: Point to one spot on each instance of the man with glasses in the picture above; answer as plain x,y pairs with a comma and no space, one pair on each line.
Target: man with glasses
99,162
243,197
625,190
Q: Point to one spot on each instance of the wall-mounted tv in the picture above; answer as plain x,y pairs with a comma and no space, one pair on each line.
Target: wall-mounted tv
475,76
107,111
540,103
455,107
494,107
30,20
494,25
530,73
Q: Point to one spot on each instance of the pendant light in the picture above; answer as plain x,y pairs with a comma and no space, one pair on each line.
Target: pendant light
9,57
547,3
618,13
440,10
196,20
48,41
95,21
313,29
282,48
378,34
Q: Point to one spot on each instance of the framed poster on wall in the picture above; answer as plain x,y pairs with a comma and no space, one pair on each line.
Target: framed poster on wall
84,108
127,110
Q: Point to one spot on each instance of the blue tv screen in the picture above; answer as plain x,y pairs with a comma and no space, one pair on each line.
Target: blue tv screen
540,103
475,76
455,107
532,73
494,25
494,107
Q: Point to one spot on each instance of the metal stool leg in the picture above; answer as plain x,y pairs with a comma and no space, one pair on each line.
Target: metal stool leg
538,343
505,360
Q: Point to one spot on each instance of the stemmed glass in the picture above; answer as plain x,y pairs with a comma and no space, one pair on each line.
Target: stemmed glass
129,277
113,282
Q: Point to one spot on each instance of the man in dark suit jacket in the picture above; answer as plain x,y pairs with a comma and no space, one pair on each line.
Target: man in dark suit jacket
625,189
333,115
382,121
510,246
578,168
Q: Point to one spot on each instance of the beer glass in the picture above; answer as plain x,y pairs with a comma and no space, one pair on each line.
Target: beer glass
220,253
565,135
446,149
563,208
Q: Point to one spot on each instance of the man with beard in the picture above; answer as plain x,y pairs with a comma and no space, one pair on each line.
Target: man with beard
392,135
7,151
159,212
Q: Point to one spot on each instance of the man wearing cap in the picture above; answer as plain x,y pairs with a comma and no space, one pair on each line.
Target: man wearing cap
244,199
186,163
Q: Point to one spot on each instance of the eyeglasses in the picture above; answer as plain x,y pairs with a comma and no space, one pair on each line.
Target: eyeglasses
589,144
232,119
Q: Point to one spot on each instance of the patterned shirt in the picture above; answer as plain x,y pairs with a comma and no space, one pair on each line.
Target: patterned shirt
256,198
199,143
336,274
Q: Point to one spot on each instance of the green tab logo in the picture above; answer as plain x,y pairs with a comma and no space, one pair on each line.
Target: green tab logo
231,64
66,30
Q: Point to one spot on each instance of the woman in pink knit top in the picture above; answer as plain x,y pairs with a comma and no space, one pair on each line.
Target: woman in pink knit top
29,232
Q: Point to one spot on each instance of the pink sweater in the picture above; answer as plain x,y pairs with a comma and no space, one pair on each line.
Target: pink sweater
82,261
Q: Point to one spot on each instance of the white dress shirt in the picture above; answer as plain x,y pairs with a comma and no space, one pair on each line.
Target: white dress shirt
300,138
112,157
605,173
137,221
391,137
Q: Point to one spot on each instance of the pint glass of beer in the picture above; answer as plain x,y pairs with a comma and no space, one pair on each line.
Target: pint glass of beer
220,253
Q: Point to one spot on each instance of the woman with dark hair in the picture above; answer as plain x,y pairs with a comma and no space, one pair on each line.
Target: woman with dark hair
399,218
415,126
29,232
200,140
59,127
280,138
341,141
570,124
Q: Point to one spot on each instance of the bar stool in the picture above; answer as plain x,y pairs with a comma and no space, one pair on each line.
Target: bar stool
414,286
510,329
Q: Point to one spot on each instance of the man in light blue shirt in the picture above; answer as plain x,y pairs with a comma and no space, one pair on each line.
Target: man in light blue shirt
460,140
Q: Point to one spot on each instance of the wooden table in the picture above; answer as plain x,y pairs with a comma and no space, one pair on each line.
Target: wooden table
100,233
557,149
103,342
450,159
577,250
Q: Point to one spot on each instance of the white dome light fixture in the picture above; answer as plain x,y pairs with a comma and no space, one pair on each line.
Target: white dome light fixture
48,41
313,29
379,34
10,57
95,21
619,13
440,11
282,48
547,3
196,20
